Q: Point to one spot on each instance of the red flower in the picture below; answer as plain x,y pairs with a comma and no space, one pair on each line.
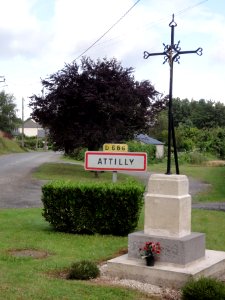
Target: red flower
150,248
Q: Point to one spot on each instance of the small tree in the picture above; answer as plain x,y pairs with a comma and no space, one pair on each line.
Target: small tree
95,103
8,118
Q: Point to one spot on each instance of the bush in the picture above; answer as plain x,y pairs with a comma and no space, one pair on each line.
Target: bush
78,154
134,146
194,158
104,208
203,289
83,270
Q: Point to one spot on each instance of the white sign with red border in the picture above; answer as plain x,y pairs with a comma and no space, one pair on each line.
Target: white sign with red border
115,161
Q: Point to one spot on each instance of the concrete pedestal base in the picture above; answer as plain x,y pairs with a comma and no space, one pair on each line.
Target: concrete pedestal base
179,251
167,275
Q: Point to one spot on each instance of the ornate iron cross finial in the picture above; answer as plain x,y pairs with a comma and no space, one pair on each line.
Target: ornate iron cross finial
172,54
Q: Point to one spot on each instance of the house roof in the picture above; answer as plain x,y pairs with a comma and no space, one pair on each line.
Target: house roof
144,138
31,124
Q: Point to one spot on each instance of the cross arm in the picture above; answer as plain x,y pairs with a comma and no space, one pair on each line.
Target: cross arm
198,52
147,54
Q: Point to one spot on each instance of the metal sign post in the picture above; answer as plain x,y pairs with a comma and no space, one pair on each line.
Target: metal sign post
172,54
116,148
114,176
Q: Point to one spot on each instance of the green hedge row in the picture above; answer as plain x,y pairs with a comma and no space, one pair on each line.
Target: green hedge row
104,208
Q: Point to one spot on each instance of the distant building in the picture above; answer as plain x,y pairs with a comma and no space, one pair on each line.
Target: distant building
31,128
145,139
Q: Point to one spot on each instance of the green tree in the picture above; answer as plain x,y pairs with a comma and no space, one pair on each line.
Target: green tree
186,137
160,128
95,103
8,118
200,114
181,111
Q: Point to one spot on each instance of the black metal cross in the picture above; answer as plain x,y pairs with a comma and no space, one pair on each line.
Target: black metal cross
172,54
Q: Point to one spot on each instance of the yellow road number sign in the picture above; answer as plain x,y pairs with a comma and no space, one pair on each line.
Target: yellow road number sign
115,147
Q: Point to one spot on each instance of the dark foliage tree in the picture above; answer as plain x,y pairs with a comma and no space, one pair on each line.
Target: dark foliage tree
8,118
95,103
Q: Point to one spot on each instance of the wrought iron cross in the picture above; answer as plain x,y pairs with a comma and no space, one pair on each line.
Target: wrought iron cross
172,54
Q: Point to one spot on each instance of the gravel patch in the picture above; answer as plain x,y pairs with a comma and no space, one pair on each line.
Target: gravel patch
147,288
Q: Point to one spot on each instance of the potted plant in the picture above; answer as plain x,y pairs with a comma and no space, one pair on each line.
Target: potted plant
149,251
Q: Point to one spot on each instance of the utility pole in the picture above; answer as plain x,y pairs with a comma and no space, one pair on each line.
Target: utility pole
172,54
45,131
22,142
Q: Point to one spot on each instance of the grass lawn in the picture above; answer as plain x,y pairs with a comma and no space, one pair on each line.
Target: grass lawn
31,278
9,146
73,172
212,175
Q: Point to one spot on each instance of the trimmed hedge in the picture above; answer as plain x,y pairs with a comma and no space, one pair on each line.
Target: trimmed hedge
104,208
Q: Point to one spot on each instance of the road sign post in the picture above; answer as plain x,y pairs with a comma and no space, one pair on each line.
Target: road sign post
115,148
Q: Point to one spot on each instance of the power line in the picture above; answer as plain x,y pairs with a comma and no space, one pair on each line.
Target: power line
152,24
190,7
108,29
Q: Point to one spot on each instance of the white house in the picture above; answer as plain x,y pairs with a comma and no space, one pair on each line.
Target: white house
31,128
144,138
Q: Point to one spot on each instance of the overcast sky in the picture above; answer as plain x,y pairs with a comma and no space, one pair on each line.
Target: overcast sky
38,37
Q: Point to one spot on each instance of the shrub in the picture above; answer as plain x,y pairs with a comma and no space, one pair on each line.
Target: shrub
104,208
203,289
194,158
134,146
78,154
83,270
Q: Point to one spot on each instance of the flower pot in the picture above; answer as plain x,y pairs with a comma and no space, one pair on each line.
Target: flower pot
150,261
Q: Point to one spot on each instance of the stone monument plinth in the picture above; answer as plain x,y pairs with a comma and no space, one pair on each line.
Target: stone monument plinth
168,221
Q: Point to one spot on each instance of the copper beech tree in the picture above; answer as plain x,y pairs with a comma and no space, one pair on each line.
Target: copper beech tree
94,103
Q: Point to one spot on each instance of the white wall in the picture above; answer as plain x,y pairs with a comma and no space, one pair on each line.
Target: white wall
30,131
159,151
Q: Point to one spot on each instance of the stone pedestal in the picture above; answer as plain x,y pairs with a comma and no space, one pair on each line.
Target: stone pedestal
168,221
168,206
179,251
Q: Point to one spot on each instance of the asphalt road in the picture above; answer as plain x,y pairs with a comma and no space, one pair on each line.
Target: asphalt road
19,190
17,187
